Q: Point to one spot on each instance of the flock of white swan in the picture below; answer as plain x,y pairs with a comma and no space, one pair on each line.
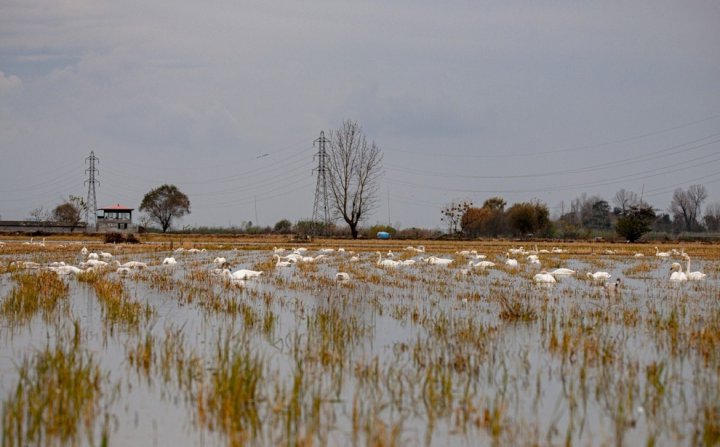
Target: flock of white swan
286,258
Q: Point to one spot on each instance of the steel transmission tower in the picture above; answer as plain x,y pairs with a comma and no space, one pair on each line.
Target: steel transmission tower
91,209
321,209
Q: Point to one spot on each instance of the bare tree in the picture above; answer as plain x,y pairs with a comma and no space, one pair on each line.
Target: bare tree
624,199
453,213
39,214
697,194
712,217
686,205
354,168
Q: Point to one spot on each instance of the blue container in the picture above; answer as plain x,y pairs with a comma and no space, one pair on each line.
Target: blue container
383,235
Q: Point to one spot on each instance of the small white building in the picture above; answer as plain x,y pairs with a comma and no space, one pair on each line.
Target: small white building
116,218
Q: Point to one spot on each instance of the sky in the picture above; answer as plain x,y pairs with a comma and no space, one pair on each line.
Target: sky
466,99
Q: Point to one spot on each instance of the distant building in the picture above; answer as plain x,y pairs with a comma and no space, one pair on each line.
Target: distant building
115,218
25,226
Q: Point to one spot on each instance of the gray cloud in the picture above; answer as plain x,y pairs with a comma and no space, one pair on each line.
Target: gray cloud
191,93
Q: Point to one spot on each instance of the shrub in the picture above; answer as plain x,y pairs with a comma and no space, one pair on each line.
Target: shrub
119,238
417,233
113,238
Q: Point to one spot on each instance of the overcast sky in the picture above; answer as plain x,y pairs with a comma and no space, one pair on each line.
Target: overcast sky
467,100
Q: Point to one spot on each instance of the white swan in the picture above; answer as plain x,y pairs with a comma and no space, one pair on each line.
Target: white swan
661,254
277,250
66,270
280,263
482,264
131,265
241,274
105,255
169,261
694,276
93,256
84,251
509,262
419,249
562,272
544,278
93,263
438,261
599,276
386,262
677,274
342,276
293,257
219,260
639,255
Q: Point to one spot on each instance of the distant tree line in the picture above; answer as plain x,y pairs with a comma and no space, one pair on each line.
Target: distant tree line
630,217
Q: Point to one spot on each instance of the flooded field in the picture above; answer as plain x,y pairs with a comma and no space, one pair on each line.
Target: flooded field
364,343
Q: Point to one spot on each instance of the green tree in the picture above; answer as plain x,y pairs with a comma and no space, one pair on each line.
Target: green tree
528,218
635,222
165,203
600,215
70,212
283,226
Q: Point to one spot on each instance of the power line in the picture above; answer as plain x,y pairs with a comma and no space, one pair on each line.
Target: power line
662,153
579,148
636,176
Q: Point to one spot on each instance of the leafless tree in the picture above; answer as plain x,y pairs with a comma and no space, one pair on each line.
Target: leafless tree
39,214
686,205
712,217
453,213
624,199
354,168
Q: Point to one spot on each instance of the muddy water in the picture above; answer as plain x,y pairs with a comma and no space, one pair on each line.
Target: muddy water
427,352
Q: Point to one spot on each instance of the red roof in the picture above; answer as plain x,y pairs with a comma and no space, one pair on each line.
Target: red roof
117,207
